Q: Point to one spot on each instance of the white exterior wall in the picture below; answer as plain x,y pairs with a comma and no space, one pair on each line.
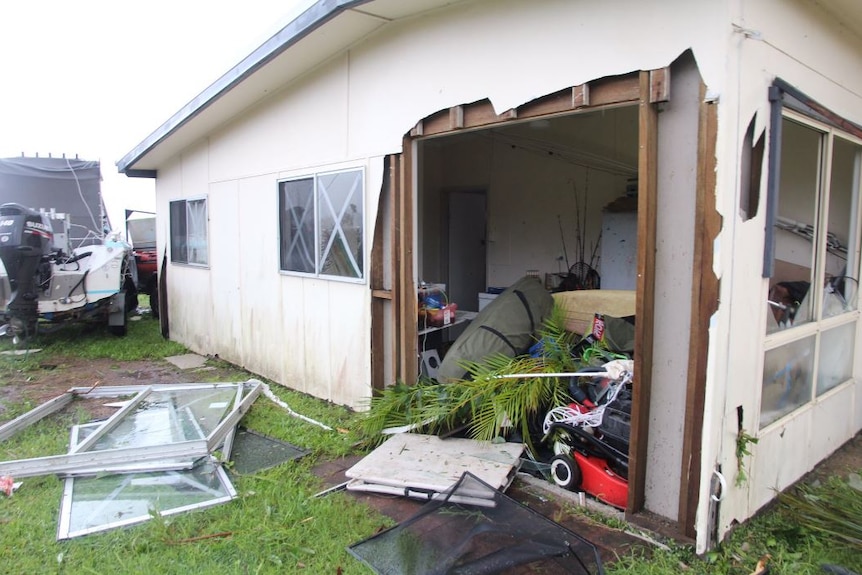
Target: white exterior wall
314,335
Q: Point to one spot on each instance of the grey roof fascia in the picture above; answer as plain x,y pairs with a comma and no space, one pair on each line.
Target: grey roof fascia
313,18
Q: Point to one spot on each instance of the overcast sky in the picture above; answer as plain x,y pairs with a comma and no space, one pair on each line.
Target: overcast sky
95,77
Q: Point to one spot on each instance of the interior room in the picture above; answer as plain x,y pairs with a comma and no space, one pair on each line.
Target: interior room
554,198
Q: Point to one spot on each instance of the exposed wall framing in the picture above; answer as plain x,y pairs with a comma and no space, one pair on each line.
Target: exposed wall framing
704,303
647,88
645,298
603,92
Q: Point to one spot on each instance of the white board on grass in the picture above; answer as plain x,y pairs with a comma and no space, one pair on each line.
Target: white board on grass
419,465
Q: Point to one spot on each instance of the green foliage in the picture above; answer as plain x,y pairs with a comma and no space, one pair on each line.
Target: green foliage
832,509
743,441
488,401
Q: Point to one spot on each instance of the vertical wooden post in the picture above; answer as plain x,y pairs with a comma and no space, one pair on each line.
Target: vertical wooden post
704,303
406,304
645,299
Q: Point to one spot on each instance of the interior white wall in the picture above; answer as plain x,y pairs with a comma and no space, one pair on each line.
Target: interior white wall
531,198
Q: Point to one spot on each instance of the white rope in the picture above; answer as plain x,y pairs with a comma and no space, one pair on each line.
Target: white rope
272,397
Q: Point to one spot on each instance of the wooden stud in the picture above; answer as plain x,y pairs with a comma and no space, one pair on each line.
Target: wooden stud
456,117
408,304
581,96
397,256
417,129
379,293
659,85
704,303
645,298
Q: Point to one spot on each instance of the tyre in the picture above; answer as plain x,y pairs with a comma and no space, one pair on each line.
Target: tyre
565,472
154,298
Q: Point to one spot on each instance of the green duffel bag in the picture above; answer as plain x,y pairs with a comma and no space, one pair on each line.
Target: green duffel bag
506,326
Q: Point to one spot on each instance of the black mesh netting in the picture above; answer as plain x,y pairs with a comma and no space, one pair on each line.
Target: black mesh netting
475,529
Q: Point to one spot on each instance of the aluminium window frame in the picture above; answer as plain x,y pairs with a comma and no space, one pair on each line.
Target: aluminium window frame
789,104
130,458
318,262
185,202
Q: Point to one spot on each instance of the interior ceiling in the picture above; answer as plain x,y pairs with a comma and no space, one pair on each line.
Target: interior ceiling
604,138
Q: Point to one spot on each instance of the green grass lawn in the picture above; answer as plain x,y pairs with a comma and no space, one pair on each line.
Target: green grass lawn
275,526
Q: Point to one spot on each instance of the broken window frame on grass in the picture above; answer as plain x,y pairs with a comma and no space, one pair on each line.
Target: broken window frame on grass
221,491
116,458
167,461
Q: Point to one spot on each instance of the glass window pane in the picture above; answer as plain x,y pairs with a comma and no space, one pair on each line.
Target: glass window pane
179,248
296,225
787,379
95,504
795,224
171,416
841,286
197,231
836,356
341,220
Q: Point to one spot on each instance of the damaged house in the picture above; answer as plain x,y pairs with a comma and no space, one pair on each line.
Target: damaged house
703,156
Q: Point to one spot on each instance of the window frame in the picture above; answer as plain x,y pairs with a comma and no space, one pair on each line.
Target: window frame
174,256
319,258
818,325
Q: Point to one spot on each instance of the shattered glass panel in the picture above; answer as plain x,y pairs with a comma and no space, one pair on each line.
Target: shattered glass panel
253,452
478,530
171,417
93,504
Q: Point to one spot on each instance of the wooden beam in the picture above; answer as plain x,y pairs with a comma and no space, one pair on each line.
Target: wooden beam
704,303
645,298
479,113
604,92
382,294
614,91
659,85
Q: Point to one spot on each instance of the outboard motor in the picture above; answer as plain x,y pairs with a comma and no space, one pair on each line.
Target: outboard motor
26,237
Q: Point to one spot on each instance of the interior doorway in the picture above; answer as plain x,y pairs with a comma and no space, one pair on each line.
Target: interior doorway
466,224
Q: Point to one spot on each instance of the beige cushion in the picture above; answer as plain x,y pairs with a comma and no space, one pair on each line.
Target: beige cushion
581,305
